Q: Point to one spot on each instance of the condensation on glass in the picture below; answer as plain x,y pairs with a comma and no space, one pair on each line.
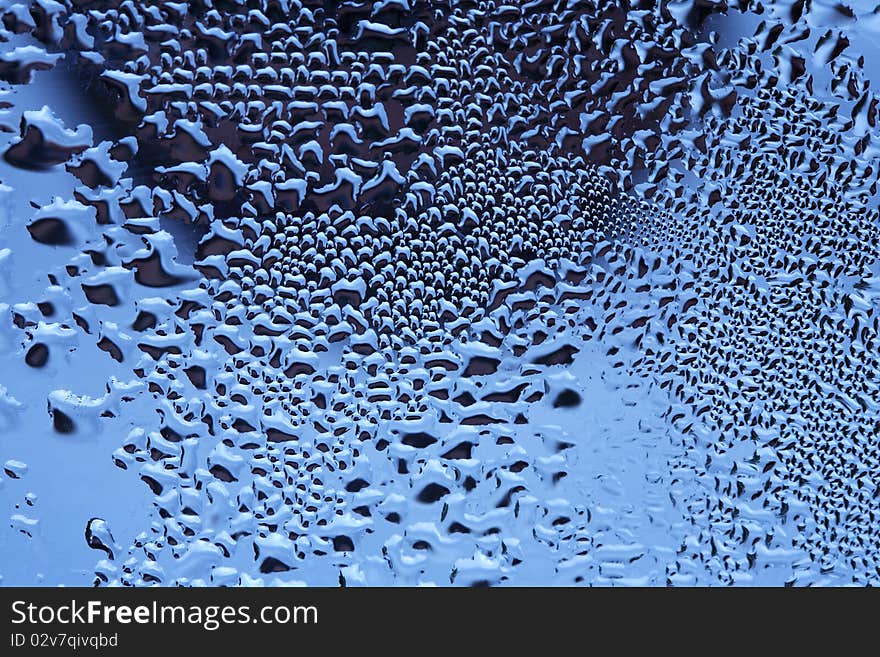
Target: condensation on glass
453,293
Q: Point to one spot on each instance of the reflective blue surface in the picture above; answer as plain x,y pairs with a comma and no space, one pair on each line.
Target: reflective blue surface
460,293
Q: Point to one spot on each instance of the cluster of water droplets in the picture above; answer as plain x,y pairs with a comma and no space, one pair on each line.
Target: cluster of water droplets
461,292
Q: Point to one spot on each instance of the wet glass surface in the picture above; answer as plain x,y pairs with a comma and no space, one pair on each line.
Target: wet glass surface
452,293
